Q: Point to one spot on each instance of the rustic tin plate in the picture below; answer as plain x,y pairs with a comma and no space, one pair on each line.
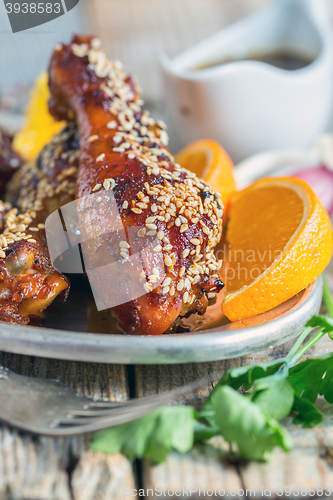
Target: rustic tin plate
76,331
66,334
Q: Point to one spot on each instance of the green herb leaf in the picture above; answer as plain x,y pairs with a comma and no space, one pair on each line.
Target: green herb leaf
313,377
246,375
274,395
153,436
174,431
307,414
320,321
243,422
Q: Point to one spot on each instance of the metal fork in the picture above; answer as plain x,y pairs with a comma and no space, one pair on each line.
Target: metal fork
47,407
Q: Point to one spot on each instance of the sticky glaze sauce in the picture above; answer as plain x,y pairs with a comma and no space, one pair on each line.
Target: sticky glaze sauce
279,58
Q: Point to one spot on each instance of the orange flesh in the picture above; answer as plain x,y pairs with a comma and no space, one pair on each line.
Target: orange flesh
280,240
256,250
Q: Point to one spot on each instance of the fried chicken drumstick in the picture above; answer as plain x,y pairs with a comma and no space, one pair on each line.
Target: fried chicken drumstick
28,280
123,149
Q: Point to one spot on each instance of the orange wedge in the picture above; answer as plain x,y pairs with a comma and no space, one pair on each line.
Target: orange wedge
209,161
40,126
279,239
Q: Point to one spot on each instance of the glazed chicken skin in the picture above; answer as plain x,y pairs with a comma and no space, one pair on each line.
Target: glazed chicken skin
124,150
28,280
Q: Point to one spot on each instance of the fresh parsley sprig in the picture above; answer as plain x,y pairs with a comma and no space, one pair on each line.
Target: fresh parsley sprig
250,421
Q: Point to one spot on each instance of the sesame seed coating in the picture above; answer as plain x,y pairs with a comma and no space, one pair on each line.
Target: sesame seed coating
151,190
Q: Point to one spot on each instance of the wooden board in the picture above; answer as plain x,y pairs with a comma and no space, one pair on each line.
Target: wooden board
43,468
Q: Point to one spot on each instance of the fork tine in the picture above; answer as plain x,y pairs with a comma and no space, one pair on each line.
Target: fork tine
161,398
135,408
103,423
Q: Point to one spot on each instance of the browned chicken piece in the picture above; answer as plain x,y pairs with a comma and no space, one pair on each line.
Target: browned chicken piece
124,150
28,280
10,161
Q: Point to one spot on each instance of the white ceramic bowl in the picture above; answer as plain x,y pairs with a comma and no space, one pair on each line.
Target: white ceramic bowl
251,106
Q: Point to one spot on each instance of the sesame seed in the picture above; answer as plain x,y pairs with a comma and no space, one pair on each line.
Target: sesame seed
41,226
165,289
167,281
151,233
136,210
180,285
2,254
158,248
31,240
99,199
156,271
153,278
181,271
185,253
33,229
142,232
161,124
167,261
183,228
96,187
148,288
151,226
117,139
142,274
149,220
119,150
142,205
92,138
124,244
211,295
100,157
112,124
125,204
160,235
124,255
131,156
106,184
195,241
186,297
172,291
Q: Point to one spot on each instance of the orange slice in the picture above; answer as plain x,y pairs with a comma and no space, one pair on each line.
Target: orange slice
279,239
40,126
209,161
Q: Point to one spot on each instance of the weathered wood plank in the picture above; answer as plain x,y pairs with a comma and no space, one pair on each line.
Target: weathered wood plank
41,468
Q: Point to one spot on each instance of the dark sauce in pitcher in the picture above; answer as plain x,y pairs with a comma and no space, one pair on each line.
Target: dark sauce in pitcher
279,58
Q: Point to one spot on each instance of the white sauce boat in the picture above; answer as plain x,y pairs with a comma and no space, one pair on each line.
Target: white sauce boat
250,106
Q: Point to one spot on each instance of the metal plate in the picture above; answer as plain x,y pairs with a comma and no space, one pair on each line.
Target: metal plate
76,331
223,342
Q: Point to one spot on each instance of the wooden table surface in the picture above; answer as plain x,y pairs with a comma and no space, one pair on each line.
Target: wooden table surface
42,468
